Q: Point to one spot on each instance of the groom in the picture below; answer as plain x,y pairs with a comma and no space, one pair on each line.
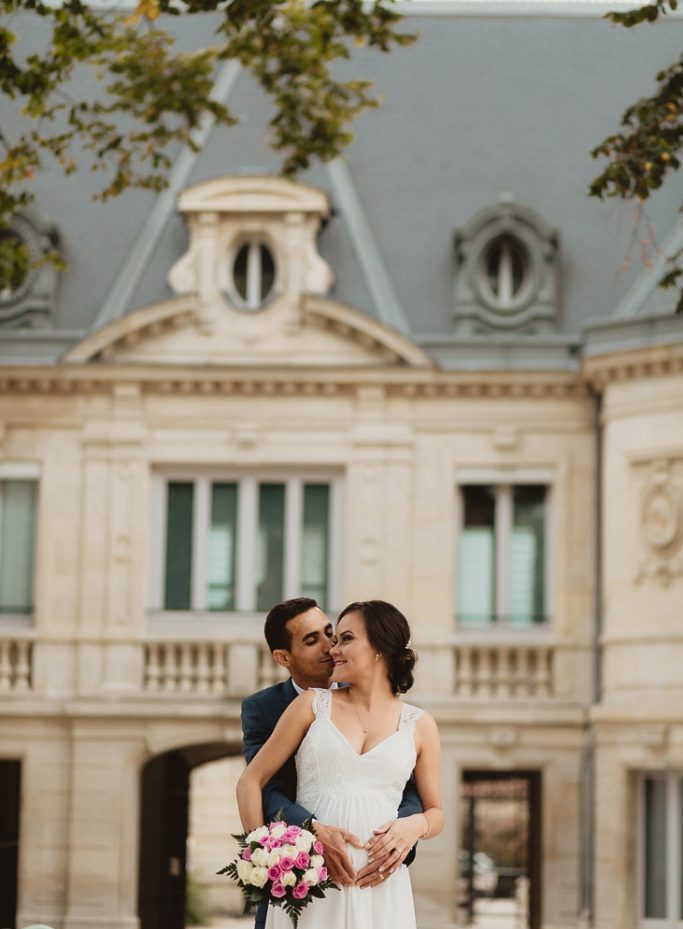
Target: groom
300,637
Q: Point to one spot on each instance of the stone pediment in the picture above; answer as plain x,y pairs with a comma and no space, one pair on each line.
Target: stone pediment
255,194
319,332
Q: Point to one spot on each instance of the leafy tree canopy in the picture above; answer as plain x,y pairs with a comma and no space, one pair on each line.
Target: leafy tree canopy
649,145
162,95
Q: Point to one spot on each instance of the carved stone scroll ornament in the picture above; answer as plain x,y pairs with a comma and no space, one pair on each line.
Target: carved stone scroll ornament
661,522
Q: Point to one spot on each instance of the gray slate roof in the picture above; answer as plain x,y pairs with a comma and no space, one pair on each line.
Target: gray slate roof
487,102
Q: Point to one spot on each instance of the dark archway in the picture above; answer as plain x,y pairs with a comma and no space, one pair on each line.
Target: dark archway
164,806
10,799
500,859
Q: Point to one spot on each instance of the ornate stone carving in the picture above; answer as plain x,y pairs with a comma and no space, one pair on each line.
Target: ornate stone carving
225,215
661,520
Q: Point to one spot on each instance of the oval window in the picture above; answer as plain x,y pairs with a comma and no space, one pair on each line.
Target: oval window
253,274
505,271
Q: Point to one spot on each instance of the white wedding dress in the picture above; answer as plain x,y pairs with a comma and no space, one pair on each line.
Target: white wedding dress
358,793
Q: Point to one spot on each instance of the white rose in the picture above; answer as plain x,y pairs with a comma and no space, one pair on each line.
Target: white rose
260,857
317,861
288,879
258,877
288,851
304,841
311,877
244,869
257,834
278,830
274,857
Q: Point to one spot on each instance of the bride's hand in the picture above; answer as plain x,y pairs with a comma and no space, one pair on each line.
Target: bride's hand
388,848
337,859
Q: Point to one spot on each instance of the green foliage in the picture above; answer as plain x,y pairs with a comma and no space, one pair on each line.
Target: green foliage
14,261
644,14
649,145
161,96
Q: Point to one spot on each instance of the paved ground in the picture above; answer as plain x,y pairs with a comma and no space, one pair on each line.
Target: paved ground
492,914
230,922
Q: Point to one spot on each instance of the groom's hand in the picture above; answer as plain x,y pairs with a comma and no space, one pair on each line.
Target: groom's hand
337,859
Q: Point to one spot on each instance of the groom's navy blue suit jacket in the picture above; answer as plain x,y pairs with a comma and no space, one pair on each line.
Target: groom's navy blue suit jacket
260,714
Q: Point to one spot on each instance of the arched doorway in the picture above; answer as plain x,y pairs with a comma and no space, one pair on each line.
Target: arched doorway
164,821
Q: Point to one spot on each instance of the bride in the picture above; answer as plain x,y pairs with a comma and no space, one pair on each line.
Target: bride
356,747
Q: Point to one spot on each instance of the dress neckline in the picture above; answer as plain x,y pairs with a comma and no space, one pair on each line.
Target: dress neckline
386,738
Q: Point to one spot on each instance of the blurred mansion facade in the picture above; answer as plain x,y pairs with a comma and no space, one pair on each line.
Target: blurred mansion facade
256,388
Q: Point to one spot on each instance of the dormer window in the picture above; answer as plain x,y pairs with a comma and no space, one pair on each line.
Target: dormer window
252,247
252,275
506,273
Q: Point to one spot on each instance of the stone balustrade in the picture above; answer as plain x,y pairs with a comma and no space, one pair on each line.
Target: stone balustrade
510,670
235,666
16,663
201,667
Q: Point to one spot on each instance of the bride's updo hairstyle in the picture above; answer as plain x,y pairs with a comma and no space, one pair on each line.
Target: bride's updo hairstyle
389,634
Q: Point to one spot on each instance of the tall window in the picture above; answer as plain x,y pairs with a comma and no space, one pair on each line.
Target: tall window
18,498
661,851
243,545
502,554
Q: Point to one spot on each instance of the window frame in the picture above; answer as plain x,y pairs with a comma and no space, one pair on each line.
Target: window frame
504,480
254,242
516,300
674,850
247,527
24,471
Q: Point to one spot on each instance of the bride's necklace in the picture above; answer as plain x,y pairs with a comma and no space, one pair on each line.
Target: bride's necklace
365,727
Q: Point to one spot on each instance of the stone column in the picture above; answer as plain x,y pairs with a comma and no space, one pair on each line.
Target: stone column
115,530
103,844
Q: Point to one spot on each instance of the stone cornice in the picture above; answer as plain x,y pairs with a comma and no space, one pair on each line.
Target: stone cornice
635,364
409,383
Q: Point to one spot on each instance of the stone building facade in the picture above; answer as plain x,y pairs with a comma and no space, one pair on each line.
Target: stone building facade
245,400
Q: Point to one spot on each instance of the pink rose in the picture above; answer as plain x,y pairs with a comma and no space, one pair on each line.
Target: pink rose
300,891
302,860
246,853
318,847
278,890
271,842
291,833
322,873
274,872
286,862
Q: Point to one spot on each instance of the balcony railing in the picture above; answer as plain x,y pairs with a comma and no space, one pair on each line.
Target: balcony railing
16,663
207,668
510,670
481,669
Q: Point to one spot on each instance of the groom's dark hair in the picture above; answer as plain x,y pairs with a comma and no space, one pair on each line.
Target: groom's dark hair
275,630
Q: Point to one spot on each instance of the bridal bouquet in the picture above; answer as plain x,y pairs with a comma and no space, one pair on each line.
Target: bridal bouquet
281,865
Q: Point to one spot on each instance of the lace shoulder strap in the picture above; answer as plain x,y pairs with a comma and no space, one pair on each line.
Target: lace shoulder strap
322,703
409,716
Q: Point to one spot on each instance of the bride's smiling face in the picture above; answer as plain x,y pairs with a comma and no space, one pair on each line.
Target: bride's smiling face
353,655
